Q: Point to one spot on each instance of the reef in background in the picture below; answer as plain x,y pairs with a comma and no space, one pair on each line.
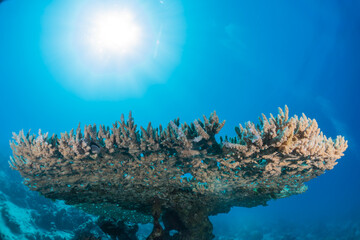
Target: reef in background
25,215
179,174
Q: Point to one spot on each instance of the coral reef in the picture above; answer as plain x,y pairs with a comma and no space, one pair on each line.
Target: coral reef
180,173
25,215
51,221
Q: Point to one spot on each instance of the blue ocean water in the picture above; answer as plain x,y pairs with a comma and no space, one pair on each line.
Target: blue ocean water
240,58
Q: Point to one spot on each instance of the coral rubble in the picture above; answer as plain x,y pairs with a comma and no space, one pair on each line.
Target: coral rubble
180,173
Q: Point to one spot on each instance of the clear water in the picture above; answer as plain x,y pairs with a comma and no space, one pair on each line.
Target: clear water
240,58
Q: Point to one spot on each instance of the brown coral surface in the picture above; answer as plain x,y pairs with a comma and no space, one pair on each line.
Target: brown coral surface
181,169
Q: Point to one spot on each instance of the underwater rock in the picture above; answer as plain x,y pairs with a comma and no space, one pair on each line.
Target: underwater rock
25,215
17,223
117,229
181,170
10,220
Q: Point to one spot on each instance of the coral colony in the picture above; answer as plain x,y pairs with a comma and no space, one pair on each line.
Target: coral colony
180,174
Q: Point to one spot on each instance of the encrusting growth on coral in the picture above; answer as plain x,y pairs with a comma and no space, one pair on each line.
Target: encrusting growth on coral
180,173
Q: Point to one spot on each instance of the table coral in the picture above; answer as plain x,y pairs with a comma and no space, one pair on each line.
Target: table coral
181,173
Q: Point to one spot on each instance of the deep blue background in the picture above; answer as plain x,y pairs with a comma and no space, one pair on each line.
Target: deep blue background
240,58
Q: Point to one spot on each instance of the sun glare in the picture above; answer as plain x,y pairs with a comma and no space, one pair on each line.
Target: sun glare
114,32
112,49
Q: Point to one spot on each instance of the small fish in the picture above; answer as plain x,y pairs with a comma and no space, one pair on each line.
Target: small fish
95,149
